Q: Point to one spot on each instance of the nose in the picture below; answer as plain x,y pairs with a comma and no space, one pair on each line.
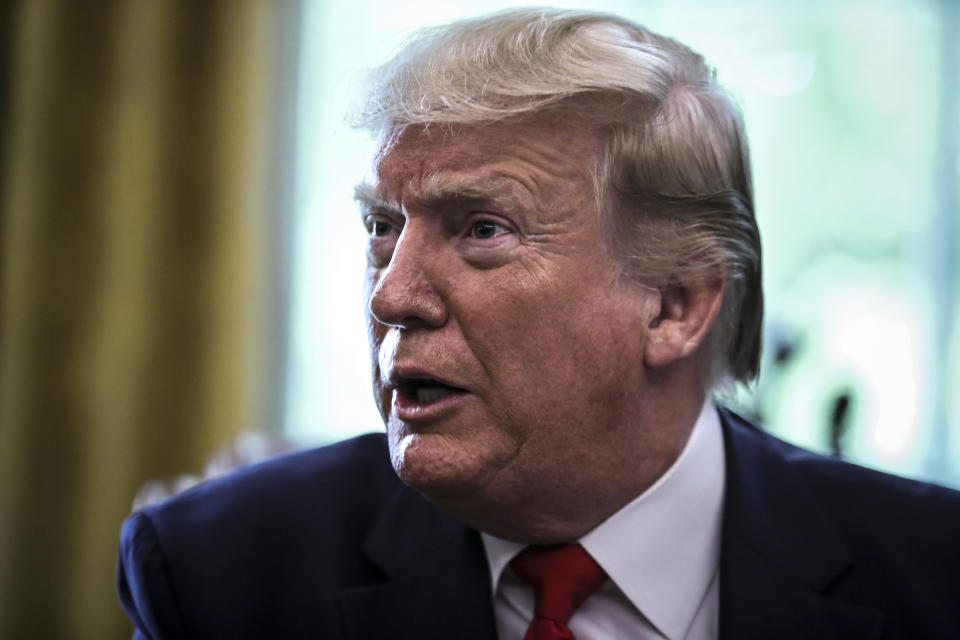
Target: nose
404,292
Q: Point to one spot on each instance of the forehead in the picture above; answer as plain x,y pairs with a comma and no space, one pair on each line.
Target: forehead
535,157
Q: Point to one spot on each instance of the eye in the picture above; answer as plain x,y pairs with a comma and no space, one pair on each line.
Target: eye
486,229
378,227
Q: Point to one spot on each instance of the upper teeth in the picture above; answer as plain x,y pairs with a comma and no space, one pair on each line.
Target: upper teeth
432,394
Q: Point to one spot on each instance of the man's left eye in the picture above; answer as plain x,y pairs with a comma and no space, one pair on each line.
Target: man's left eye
485,229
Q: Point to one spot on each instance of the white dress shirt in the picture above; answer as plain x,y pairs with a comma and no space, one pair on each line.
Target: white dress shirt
661,551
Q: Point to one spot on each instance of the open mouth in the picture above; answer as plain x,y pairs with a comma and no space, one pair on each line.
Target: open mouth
424,391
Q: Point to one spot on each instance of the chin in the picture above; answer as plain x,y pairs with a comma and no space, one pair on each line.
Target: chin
439,467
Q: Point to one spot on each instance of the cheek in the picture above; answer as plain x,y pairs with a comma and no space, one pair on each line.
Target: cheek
568,353
569,321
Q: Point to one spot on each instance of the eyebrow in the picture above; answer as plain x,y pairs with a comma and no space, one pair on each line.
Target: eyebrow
438,189
369,197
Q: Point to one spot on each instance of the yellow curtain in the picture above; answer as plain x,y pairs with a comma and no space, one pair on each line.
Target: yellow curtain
135,181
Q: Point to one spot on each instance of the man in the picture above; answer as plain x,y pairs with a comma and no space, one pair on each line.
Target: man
563,262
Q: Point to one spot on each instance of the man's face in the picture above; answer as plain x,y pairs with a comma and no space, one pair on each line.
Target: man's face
507,352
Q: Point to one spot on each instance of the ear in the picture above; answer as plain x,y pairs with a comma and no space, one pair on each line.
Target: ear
686,314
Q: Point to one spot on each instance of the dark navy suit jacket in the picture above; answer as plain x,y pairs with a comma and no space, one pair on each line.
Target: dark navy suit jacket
330,544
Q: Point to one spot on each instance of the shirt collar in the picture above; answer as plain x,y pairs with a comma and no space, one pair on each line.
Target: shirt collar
662,549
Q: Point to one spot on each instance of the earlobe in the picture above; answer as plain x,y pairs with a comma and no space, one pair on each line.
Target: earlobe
685,316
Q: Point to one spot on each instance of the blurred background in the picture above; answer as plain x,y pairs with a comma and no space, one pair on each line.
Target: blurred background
180,258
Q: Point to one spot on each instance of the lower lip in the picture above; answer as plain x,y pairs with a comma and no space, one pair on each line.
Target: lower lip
410,410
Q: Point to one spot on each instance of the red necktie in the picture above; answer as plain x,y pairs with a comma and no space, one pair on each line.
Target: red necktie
562,577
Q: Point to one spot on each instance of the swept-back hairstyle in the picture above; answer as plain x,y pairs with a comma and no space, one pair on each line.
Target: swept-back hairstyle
673,180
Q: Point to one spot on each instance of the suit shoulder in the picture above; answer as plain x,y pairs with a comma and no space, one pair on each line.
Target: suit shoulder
341,482
860,538
348,460
296,522
906,509
864,498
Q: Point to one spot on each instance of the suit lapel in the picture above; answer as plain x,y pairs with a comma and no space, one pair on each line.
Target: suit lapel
438,583
779,552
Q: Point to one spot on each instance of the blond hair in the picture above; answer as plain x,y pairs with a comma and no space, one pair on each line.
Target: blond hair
674,179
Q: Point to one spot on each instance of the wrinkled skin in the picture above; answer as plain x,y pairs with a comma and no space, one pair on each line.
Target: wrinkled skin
488,271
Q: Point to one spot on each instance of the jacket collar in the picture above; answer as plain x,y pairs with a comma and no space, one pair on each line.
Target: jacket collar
437,583
779,552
